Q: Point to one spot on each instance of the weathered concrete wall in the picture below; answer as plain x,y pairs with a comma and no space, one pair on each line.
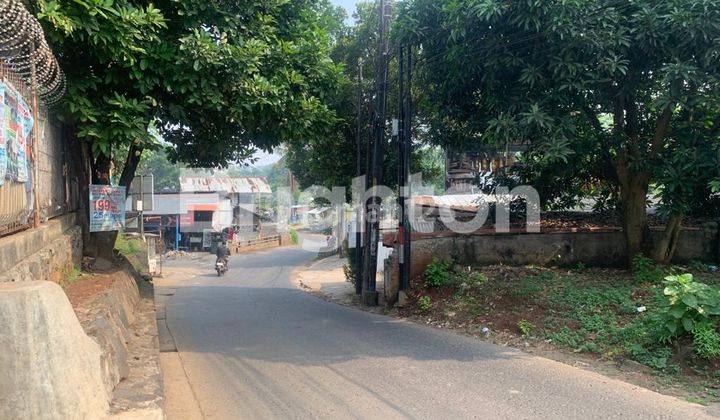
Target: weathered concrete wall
107,318
49,367
45,253
601,249
242,247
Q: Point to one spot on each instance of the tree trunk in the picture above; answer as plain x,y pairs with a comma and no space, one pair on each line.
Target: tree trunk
634,218
633,196
664,250
101,170
131,163
100,244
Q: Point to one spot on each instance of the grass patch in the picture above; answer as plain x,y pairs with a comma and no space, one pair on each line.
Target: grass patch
128,245
71,274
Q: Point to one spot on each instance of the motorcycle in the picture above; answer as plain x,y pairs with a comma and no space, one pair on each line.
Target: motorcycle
221,267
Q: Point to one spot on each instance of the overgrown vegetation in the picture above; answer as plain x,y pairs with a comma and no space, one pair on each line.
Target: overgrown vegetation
127,245
438,273
665,318
294,237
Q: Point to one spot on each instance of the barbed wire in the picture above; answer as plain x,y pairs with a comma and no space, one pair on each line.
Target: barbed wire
24,50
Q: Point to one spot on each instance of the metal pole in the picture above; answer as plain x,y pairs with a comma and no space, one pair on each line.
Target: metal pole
359,171
177,232
140,210
35,139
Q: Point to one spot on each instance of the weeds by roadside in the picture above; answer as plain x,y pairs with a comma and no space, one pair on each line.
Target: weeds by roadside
127,245
664,318
71,274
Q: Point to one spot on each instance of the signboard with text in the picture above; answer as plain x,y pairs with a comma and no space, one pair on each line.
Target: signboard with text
107,208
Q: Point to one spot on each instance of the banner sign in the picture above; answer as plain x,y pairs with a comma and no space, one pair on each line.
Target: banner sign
16,123
107,208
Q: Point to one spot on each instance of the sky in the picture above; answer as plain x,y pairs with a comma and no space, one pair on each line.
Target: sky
268,158
349,6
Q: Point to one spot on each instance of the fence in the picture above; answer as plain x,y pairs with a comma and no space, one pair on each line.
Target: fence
47,172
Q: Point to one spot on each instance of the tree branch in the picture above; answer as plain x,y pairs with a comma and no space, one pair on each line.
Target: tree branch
661,129
131,163
592,117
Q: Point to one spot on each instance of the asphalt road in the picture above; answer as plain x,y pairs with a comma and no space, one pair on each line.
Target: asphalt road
251,345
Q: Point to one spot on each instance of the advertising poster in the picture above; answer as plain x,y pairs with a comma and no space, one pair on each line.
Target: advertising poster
16,123
107,208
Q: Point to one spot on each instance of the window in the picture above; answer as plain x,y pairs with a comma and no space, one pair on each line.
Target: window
203,216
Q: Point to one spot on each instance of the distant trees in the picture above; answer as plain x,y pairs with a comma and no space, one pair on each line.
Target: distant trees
618,95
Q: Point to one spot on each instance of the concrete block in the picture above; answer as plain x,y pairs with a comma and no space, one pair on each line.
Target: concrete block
49,367
114,358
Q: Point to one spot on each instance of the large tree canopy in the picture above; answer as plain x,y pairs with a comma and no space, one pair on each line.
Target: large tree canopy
621,93
219,78
216,78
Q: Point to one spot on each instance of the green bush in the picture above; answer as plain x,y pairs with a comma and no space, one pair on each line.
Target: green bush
525,327
438,273
646,270
706,341
294,237
349,271
425,303
350,267
688,304
72,274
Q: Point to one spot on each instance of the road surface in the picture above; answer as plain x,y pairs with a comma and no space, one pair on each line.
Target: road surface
251,345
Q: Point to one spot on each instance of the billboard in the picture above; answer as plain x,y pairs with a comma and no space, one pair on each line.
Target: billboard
107,208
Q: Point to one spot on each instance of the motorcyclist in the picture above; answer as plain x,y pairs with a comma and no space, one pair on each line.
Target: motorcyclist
222,253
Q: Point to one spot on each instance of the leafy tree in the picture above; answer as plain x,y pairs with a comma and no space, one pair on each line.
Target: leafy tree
218,79
330,160
166,175
616,93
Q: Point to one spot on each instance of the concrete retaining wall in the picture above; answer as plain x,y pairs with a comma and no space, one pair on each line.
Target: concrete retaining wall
107,318
49,367
46,253
599,248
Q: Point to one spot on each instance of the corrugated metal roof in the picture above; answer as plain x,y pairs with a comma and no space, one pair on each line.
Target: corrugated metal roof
246,184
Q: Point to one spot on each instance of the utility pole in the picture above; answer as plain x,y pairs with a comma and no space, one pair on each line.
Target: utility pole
401,177
370,295
359,219
407,149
